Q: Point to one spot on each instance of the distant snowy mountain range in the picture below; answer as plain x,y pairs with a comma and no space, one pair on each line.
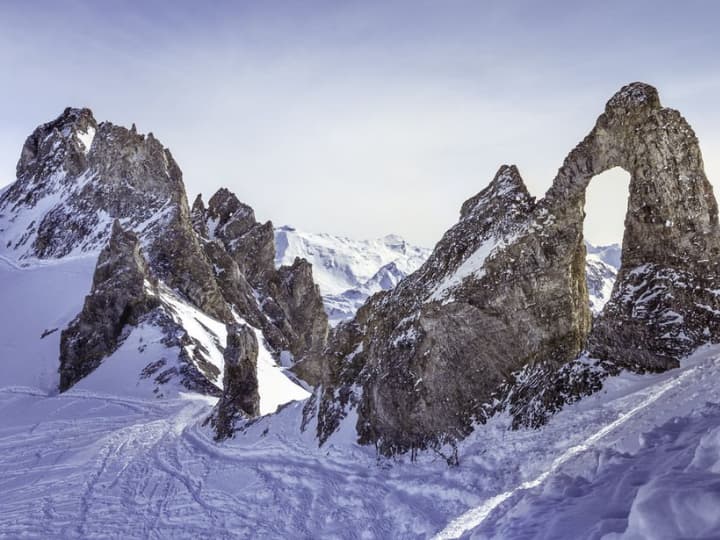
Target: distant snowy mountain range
348,271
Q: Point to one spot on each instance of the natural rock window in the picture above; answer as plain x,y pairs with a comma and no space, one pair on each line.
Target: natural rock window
606,202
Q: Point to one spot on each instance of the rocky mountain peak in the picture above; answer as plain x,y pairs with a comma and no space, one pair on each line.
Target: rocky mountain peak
507,189
201,283
198,216
250,243
53,148
227,216
634,96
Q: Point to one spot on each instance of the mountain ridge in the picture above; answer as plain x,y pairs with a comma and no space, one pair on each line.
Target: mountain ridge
89,189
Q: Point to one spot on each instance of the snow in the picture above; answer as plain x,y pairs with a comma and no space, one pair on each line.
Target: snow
208,334
610,254
44,296
36,299
86,138
120,373
641,456
107,459
341,263
477,515
16,226
604,280
708,308
634,477
274,386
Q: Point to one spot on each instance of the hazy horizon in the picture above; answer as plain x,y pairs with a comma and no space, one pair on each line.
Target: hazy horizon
361,118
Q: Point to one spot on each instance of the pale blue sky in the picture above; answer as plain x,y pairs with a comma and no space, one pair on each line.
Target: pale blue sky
360,118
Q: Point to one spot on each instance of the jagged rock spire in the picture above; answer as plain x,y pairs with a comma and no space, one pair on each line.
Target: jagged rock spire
240,397
121,294
292,314
507,188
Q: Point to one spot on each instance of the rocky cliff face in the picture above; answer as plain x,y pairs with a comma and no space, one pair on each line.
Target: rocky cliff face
398,361
505,291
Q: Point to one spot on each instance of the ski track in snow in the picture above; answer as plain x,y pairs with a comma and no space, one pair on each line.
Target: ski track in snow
474,517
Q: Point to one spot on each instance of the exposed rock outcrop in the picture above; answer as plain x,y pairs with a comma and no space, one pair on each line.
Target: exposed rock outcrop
301,307
123,292
505,290
399,361
240,397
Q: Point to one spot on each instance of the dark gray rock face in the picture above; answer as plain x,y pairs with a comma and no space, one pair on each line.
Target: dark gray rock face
123,292
505,292
240,397
399,362
301,307
124,295
251,244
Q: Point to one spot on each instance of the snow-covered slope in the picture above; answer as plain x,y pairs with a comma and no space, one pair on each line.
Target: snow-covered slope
650,471
637,460
38,301
349,271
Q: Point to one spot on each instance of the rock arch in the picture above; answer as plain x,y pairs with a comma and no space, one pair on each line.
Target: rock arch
504,290
671,239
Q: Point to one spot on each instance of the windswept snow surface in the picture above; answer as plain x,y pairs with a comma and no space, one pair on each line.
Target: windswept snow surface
37,300
86,138
274,386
